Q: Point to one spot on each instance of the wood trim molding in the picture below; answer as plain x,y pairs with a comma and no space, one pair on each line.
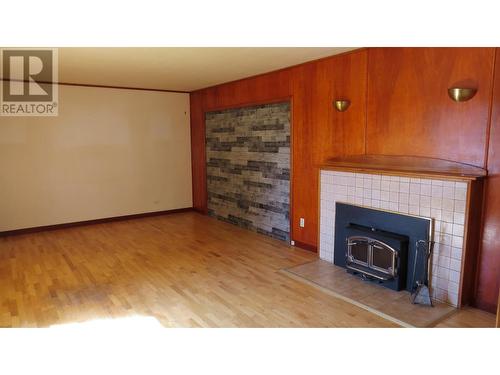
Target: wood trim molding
100,86
284,99
472,232
498,311
494,74
91,222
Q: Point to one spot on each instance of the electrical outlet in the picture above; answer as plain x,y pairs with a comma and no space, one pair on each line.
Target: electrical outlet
302,222
292,242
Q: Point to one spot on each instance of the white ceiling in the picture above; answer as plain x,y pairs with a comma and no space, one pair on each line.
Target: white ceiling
180,69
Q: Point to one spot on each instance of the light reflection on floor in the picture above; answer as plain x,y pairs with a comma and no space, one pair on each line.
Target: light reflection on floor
128,322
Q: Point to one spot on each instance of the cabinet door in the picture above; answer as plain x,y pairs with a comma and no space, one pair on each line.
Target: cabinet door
409,111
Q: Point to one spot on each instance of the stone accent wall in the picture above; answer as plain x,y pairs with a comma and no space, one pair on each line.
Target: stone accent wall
248,167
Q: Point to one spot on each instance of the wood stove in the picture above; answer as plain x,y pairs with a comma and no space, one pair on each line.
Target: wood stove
372,257
377,255
379,246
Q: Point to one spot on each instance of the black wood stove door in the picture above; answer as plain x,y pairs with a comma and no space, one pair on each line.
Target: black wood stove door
392,229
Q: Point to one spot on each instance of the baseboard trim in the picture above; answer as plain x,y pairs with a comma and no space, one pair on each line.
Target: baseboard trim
200,210
91,222
306,246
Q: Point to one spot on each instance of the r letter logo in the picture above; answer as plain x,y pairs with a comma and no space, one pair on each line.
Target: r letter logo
28,77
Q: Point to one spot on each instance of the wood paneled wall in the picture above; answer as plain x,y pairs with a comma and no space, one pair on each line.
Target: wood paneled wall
319,131
489,263
399,106
409,111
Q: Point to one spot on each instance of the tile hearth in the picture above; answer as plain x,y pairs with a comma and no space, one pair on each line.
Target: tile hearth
374,298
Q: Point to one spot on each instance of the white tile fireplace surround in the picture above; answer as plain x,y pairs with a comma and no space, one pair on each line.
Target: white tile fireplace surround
442,200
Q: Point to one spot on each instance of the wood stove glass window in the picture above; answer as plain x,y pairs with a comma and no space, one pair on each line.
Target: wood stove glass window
359,250
382,258
371,253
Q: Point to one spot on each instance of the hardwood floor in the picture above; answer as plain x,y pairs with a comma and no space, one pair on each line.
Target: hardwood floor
469,318
185,270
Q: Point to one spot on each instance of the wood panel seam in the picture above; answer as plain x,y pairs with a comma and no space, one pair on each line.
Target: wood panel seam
490,111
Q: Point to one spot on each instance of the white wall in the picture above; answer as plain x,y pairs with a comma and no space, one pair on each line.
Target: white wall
110,152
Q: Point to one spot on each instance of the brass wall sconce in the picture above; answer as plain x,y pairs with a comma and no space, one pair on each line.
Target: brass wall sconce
342,105
460,94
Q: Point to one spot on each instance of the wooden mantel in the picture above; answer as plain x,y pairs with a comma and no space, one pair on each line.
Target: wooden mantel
405,165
